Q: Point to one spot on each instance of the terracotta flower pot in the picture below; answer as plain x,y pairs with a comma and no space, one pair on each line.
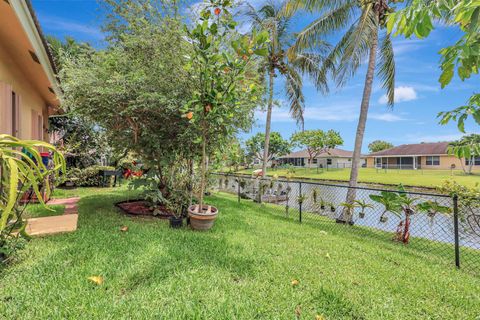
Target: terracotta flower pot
202,220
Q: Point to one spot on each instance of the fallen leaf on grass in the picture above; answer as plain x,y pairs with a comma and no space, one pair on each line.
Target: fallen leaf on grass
323,232
124,229
298,311
295,282
319,317
327,255
98,280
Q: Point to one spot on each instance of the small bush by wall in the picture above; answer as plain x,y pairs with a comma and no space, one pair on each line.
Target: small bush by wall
88,177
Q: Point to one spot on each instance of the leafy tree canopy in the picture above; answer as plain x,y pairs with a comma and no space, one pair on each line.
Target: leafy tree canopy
317,141
468,147
379,145
278,146
417,18
135,87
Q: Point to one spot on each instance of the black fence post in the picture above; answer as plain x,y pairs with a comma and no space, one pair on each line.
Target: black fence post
238,188
300,202
455,227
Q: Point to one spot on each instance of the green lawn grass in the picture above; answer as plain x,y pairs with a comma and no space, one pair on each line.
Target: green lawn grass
241,269
38,211
417,178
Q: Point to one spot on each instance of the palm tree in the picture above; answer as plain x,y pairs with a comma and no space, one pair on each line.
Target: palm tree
365,38
270,17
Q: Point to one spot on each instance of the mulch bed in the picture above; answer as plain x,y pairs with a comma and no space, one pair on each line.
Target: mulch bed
140,207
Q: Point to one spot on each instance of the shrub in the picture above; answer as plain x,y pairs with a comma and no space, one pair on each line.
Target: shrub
88,177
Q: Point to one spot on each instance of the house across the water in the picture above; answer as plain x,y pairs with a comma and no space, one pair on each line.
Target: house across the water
333,158
29,89
418,156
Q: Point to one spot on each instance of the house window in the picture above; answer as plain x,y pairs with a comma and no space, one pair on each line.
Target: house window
329,162
315,160
476,161
433,161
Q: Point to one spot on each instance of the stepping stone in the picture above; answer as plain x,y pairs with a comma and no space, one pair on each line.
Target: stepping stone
56,224
52,225
66,202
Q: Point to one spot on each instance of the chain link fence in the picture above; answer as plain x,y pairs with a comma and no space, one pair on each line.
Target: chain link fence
439,227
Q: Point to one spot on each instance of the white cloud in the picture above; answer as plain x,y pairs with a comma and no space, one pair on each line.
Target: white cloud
56,23
403,93
406,46
387,117
347,112
418,138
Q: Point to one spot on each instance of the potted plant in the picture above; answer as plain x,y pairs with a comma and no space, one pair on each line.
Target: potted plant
301,199
363,206
177,204
332,207
323,204
350,208
389,200
226,92
432,208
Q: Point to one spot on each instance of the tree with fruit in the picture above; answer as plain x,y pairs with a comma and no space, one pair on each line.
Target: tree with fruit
222,64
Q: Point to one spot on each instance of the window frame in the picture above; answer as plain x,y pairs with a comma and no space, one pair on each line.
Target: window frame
432,160
476,161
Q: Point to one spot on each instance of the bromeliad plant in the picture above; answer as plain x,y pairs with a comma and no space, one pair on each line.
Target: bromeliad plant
20,172
222,64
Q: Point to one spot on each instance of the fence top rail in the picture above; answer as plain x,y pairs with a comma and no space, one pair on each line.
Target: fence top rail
332,185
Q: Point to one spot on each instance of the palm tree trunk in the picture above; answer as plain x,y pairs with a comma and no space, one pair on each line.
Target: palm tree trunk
362,120
268,123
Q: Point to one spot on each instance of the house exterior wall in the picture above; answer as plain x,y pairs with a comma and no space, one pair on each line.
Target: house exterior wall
32,122
446,162
335,163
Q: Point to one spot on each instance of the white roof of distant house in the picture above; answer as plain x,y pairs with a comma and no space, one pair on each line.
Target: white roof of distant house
418,149
332,153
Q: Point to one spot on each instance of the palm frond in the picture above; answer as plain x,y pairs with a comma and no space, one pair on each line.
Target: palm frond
310,64
386,67
357,46
296,99
293,6
332,21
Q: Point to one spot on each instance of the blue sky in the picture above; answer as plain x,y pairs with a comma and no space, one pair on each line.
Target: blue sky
418,94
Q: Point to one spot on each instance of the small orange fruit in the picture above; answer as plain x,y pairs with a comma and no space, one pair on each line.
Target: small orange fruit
189,115
217,11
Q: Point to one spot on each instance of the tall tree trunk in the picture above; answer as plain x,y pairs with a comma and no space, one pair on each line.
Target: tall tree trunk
362,120
268,123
